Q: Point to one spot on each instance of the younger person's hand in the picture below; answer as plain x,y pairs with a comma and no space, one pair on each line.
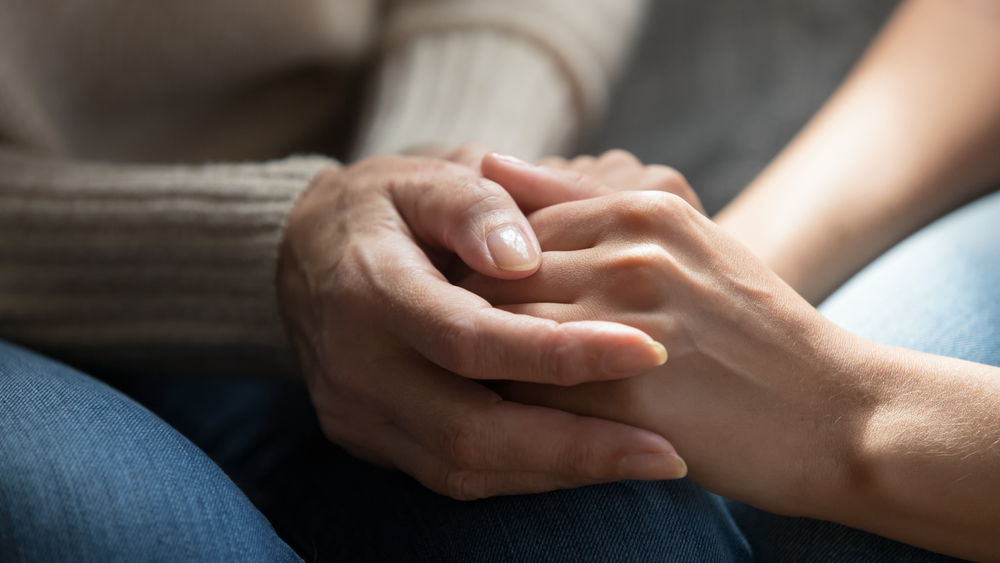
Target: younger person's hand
756,395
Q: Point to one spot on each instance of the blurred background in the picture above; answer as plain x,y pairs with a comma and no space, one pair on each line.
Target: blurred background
716,88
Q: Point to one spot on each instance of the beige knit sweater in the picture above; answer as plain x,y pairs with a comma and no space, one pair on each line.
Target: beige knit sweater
141,205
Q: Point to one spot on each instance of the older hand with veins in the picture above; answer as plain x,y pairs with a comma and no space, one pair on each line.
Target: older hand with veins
391,349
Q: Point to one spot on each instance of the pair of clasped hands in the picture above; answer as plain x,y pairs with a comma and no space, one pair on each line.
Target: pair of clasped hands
495,327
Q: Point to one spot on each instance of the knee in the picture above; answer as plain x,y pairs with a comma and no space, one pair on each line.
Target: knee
87,474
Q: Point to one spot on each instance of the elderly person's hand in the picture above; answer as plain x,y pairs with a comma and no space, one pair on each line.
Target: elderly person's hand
555,180
390,348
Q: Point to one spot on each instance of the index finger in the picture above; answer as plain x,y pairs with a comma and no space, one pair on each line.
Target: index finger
464,334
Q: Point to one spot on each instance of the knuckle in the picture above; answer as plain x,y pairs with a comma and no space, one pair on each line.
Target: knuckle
464,441
619,157
667,177
651,212
646,262
664,204
460,344
552,364
636,275
662,210
669,180
578,459
478,193
479,203
584,184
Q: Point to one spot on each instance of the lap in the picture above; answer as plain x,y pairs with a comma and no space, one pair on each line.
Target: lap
86,474
332,507
936,292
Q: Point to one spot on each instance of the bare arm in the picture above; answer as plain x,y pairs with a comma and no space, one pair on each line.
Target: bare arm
913,133
766,400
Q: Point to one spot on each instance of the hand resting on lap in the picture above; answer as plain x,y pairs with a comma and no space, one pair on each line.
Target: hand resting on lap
390,349
767,401
732,397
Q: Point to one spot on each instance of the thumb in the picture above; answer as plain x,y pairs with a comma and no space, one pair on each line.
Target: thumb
449,206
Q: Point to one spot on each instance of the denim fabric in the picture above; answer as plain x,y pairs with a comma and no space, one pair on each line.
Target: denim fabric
86,474
385,516
936,292
332,507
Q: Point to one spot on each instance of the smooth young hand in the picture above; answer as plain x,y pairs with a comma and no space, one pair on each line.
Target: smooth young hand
755,395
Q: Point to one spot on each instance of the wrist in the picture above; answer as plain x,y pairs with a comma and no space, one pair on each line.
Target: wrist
293,288
845,465
835,465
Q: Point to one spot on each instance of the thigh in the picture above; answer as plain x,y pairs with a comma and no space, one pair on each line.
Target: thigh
332,507
86,474
936,292
382,515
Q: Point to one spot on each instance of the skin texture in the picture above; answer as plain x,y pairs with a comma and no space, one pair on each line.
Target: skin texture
767,401
390,349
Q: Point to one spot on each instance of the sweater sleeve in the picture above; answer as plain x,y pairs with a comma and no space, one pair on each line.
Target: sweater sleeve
525,77
172,266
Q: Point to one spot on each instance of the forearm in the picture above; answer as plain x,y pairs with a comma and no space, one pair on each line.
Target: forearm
925,458
112,265
913,133
768,401
522,77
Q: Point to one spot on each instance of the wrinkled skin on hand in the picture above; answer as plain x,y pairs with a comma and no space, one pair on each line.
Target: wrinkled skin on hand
391,349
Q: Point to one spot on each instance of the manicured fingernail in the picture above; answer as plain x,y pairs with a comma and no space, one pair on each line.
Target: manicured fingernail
511,250
634,358
512,160
653,467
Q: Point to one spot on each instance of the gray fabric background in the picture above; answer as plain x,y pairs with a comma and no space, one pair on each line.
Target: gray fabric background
717,87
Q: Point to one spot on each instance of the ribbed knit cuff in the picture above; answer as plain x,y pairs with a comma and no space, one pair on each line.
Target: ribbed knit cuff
152,262
453,87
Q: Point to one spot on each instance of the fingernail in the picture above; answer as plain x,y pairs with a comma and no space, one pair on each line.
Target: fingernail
512,160
511,250
634,358
653,467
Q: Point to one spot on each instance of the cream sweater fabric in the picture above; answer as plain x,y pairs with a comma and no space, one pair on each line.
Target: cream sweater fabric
124,240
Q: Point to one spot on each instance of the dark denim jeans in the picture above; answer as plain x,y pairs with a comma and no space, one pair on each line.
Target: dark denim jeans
88,474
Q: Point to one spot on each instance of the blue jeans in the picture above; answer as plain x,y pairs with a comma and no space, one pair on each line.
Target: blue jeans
937,292
231,470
